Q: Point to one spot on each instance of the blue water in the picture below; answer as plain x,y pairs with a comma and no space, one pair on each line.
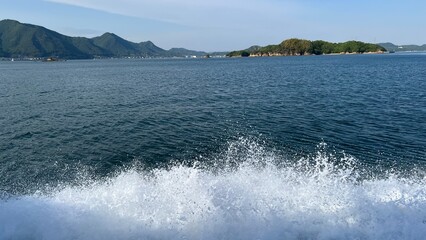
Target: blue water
314,147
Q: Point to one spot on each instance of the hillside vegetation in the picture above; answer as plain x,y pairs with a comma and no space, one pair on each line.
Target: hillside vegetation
295,46
18,40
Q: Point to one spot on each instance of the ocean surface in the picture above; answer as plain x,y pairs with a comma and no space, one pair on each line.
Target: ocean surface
311,147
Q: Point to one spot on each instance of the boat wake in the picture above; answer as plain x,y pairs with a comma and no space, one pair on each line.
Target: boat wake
249,194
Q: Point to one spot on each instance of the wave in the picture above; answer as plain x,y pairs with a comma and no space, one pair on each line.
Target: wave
250,194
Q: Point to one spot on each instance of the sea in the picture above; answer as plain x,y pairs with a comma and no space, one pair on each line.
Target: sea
305,147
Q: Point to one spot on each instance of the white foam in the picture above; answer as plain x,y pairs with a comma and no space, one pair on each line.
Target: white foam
312,199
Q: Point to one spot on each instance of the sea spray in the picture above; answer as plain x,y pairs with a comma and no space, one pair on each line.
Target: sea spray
251,193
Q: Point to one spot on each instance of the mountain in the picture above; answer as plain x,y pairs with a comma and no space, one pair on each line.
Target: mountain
115,45
150,49
120,47
185,52
400,48
294,46
18,40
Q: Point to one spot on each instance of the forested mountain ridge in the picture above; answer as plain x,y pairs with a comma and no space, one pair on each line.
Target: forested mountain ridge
18,40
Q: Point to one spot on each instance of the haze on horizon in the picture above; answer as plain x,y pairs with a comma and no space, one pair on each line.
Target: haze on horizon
223,25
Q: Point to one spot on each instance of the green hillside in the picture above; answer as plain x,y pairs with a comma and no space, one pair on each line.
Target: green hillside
186,52
19,40
150,49
294,46
115,45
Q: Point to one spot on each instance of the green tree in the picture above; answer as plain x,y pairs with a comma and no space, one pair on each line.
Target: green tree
245,54
296,46
322,47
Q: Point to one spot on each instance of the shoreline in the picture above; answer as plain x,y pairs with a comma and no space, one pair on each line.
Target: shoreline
307,54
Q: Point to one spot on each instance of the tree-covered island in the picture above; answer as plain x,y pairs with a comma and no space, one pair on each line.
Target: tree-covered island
297,47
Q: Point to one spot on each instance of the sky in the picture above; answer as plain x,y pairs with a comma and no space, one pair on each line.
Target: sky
224,25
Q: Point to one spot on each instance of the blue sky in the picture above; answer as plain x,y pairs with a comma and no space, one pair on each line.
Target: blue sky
216,25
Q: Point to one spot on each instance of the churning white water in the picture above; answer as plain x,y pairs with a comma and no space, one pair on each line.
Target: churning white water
317,198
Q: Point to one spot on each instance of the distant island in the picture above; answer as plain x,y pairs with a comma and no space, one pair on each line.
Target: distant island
403,48
296,47
26,41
